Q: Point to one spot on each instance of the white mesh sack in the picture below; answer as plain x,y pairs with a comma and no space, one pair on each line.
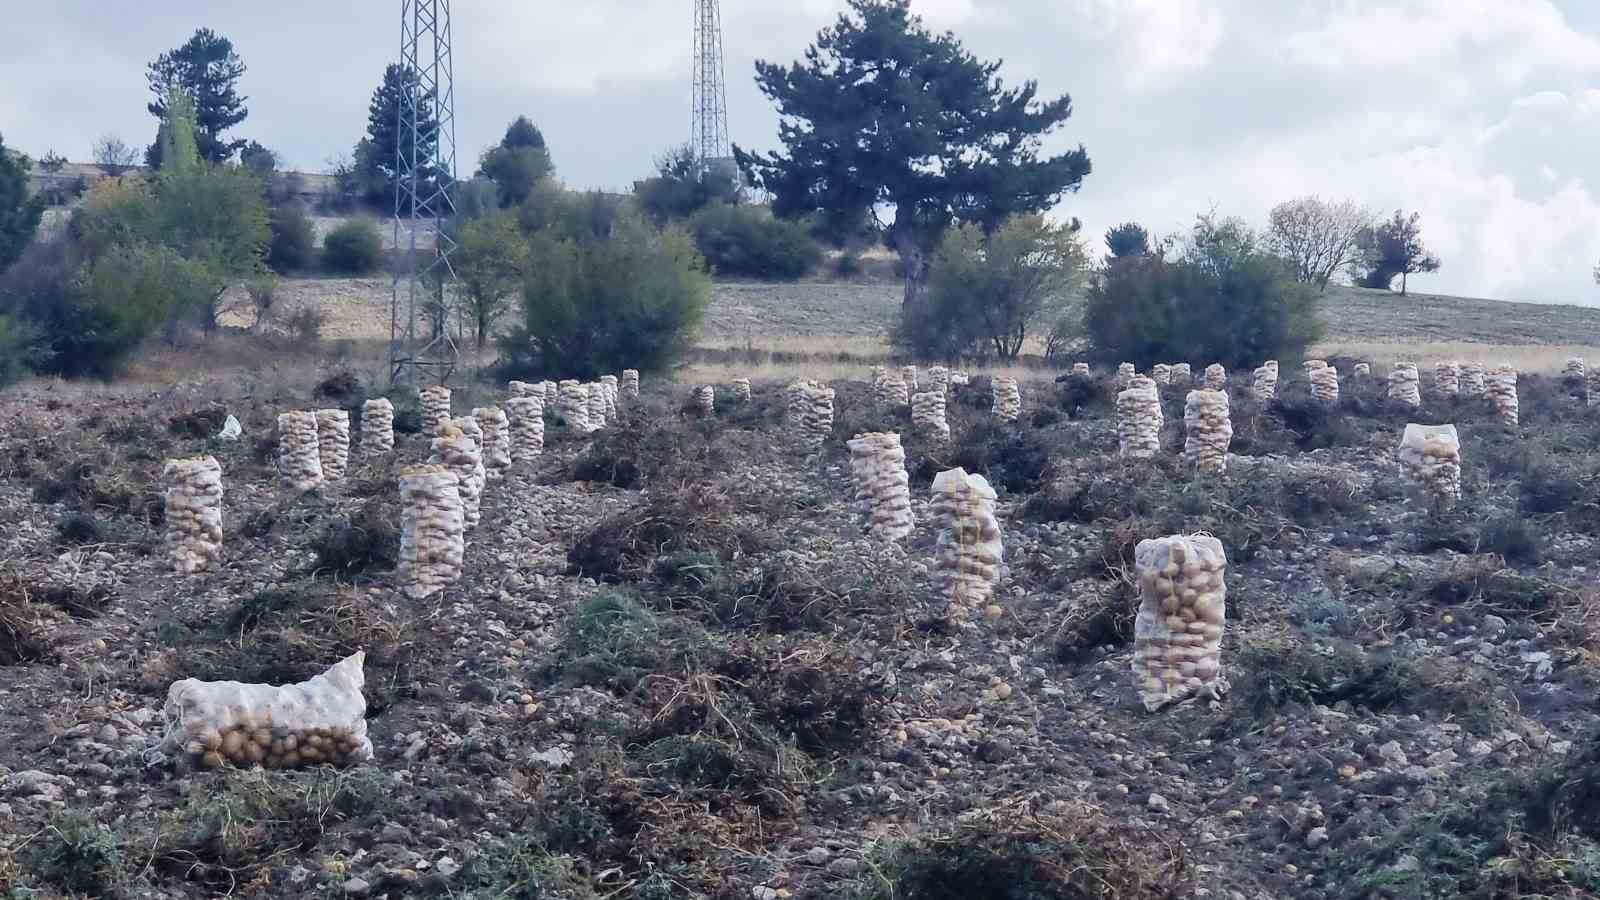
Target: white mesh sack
319,721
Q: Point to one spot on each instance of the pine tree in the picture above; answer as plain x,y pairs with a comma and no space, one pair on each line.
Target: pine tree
377,155
207,69
883,113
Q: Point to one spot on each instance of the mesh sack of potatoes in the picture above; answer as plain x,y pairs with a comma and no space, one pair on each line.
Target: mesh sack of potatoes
525,420
938,379
435,401
1264,381
1182,376
1161,374
1447,377
968,553
630,383
495,426
705,400
908,374
377,427
1574,368
882,488
1405,384
316,722
794,395
928,415
1125,373
572,406
193,496
525,389
1431,456
595,394
1216,377
1500,384
1139,420
1177,642
432,530
299,459
1007,398
457,451
741,390
613,390
1361,370
1208,430
1472,381
1325,385
1311,365
816,416
333,442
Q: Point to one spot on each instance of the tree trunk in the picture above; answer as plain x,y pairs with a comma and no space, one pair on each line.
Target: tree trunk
1402,282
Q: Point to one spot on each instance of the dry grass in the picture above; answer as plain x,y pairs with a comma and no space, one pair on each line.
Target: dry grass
817,370
1543,359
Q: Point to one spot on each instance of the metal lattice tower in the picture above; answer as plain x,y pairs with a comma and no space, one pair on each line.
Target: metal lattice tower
708,123
425,170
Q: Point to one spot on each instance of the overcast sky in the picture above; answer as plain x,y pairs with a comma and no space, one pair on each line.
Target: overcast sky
1484,115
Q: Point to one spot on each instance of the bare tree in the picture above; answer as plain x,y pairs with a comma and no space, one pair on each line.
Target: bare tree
1318,238
113,156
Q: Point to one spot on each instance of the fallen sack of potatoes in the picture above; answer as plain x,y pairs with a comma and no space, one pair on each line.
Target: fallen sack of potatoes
316,722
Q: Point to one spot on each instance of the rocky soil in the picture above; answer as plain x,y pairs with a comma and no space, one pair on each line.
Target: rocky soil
677,668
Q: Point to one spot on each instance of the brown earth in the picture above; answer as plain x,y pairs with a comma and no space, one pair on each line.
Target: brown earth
676,668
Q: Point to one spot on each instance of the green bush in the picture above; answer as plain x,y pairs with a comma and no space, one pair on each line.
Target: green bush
683,185
631,299
354,248
988,293
1148,309
750,242
294,240
86,318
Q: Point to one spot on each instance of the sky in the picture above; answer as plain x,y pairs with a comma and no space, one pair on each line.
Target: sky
1481,115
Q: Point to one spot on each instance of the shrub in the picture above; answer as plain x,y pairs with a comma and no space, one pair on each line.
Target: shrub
1224,301
294,239
304,327
353,248
19,215
631,299
744,240
988,292
682,186
263,293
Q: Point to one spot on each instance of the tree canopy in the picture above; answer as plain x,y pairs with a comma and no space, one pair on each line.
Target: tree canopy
376,155
882,112
1395,248
1126,240
517,163
207,69
1318,238
19,214
683,185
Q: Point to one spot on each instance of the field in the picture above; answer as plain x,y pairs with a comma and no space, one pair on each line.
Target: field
677,667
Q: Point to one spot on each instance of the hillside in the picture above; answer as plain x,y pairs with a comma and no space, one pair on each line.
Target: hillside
824,320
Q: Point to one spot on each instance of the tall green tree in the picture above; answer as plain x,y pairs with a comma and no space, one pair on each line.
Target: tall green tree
376,155
1395,248
517,163
207,69
19,214
882,113
1127,239
491,262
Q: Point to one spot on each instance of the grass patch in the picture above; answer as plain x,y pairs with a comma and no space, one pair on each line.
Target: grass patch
78,855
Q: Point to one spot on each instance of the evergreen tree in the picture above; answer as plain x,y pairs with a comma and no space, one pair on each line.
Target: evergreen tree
19,215
376,155
207,69
517,163
1395,248
1127,240
883,113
